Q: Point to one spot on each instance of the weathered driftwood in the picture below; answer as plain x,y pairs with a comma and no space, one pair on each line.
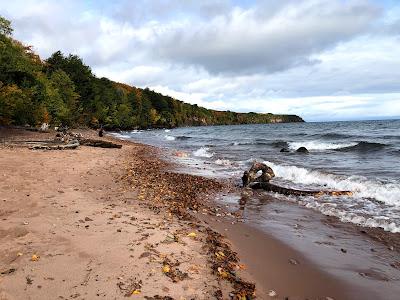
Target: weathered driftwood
52,146
262,182
286,191
99,143
251,176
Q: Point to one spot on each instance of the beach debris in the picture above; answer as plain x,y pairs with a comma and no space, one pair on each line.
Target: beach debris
29,280
170,269
183,195
132,287
50,145
272,293
343,250
293,261
87,219
35,257
99,143
250,179
192,235
158,297
8,271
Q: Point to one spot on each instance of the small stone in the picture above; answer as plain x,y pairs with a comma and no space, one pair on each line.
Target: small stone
87,219
119,230
272,293
343,250
293,261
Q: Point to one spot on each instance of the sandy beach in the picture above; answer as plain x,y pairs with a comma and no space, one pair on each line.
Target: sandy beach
95,223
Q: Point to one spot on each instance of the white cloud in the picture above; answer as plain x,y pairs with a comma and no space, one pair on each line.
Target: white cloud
320,59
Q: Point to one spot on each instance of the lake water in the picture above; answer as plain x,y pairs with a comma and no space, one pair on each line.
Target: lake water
363,157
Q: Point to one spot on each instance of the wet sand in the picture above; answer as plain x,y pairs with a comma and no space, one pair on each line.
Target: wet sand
114,218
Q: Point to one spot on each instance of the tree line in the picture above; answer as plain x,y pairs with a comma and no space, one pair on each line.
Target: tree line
62,90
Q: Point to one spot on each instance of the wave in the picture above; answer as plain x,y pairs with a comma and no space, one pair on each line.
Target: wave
364,147
121,136
317,145
203,152
280,144
169,138
223,162
330,209
335,135
183,137
387,193
363,208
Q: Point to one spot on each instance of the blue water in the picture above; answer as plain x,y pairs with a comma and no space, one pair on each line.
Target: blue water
362,156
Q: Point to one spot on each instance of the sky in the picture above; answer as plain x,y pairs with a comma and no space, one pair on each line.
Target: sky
324,60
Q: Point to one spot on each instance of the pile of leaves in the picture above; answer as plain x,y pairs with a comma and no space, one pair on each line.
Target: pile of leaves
182,195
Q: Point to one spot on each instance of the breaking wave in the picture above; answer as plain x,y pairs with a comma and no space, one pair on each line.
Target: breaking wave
387,193
203,152
169,138
364,147
363,208
317,145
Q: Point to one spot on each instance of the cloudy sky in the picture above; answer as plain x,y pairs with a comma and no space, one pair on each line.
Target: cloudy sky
320,59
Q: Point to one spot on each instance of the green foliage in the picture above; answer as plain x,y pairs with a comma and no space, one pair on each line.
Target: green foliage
63,90
5,27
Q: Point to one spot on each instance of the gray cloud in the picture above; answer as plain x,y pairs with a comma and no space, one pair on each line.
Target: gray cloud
291,56
255,40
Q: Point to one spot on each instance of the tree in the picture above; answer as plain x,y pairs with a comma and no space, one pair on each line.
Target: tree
5,27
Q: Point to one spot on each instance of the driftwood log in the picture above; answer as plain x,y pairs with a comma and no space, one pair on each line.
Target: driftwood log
98,143
251,179
53,146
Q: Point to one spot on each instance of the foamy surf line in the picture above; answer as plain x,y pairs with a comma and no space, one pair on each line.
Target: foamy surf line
317,145
387,193
357,209
203,152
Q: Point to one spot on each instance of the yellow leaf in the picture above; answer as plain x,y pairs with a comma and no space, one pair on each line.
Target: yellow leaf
136,292
166,269
19,254
35,257
192,234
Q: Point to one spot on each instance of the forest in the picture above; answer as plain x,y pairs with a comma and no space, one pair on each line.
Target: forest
62,91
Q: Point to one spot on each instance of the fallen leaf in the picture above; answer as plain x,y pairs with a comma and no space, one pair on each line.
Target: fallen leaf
136,292
166,268
35,257
192,234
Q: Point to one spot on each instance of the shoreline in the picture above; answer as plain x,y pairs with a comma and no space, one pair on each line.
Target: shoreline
187,202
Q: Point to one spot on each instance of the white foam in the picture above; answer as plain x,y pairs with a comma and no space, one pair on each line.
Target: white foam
203,152
223,162
121,136
169,138
388,193
345,215
317,145
167,130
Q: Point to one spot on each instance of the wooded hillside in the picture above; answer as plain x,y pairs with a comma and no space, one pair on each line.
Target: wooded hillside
62,90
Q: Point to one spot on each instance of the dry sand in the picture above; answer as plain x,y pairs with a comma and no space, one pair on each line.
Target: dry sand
92,236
